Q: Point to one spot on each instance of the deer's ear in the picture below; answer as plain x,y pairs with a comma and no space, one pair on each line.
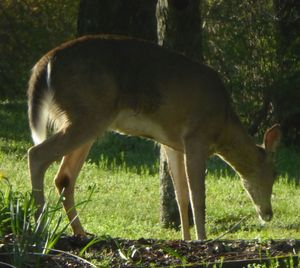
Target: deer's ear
272,138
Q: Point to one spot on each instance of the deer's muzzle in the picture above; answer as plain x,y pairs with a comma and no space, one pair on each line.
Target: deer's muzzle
265,216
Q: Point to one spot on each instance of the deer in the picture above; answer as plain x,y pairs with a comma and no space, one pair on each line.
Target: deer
99,83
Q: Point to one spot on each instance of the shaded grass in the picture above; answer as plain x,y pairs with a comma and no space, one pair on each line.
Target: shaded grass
124,173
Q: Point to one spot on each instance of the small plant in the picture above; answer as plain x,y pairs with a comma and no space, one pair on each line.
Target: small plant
25,236
176,255
27,240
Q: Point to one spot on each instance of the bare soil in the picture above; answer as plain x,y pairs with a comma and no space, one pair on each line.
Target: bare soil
114,252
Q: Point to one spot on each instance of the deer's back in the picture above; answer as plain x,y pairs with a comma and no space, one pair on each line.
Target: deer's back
140,78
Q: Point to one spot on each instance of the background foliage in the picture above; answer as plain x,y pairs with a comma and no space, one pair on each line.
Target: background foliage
28,29
246,42
239,41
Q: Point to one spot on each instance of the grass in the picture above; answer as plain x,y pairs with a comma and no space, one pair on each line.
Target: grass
124,175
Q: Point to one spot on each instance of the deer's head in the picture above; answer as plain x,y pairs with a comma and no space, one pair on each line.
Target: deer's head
259,185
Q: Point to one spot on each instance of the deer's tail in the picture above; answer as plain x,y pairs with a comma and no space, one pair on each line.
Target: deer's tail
40,97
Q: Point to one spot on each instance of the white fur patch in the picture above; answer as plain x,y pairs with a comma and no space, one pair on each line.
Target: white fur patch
39,133
49,74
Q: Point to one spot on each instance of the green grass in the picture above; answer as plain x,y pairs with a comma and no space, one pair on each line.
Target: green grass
124,175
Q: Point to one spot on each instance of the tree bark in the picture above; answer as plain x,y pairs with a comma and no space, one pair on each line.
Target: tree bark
288,30
179,28
287,85
135,18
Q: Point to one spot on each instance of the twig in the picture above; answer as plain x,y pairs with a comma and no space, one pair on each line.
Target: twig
7,265
230,229
67,254
73,256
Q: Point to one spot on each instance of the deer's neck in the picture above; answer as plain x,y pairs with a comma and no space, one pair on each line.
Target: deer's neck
238,149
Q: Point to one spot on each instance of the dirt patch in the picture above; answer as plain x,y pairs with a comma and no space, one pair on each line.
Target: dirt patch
109,252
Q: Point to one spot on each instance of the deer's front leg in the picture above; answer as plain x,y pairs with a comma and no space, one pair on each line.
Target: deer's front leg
176,166
195,157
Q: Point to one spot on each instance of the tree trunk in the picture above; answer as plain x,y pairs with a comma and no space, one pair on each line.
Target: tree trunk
288,30
179,28
287,85
135,18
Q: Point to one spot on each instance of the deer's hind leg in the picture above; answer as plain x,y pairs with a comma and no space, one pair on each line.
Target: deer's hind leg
65,182
72,139
195,157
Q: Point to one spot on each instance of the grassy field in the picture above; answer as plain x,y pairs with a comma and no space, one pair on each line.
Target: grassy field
123,172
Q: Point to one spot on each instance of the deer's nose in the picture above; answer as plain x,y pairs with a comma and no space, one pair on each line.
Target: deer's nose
266,215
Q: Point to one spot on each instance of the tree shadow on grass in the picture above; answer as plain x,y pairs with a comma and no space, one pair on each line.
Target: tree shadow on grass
288,164
14,129
131,153
13,121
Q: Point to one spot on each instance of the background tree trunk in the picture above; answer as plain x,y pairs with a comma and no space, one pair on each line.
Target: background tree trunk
135,18
179,28
287,85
